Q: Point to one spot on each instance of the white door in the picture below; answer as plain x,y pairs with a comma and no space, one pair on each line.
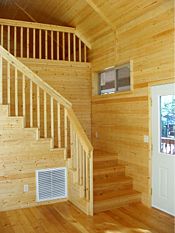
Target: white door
163,147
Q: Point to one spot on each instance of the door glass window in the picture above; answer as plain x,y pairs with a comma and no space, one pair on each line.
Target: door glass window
167,124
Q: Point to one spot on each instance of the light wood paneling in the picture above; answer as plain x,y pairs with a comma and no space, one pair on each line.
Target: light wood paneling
20,155
72,80
120,121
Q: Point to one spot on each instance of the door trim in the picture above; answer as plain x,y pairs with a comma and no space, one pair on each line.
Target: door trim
151,141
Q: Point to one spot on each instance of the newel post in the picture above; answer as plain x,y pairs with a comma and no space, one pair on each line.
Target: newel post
0,79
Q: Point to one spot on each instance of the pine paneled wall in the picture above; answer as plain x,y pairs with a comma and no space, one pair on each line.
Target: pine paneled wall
120,121
70,79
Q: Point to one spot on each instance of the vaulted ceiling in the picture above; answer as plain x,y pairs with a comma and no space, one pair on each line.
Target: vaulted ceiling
92,18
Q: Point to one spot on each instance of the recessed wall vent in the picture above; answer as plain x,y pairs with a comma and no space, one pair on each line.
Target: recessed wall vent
51,184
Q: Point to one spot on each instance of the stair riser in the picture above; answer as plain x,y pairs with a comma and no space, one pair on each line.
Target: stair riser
4,111
109,170
21,148
109,194
18,134
11,123
117,186
109,175
105,164
116,203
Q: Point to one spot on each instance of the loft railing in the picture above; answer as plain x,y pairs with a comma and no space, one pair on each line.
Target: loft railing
42,107
42,41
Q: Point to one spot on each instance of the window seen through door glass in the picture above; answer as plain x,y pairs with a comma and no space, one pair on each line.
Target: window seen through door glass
167,124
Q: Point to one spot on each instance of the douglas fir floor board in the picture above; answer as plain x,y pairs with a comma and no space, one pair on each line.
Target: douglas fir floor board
65,218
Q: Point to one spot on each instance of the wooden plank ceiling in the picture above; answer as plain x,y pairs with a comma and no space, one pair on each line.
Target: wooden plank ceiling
92,18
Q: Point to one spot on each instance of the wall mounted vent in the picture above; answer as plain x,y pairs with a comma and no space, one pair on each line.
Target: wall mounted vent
51,184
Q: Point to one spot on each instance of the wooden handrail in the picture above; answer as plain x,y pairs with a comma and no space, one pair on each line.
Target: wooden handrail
25,24
79,130
42,26
34,77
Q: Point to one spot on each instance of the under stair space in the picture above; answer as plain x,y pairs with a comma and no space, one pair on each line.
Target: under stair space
112,188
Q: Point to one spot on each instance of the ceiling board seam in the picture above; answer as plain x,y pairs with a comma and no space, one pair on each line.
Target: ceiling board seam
25,12
101,14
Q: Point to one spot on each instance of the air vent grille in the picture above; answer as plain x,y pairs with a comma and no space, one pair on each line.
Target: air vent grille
51,184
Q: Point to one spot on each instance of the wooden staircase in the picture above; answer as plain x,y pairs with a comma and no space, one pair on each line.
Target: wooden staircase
39,119
112,188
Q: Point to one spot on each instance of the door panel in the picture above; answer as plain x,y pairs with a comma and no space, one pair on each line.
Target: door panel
163,153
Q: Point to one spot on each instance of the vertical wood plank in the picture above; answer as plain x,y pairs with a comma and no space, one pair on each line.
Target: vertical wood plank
21,47
15,40
81,164
8,83
81,171
91,176
51,45
52,120
8,38
45,115
16,92
65,131
71,145
1,95
85,53
28,43
63,39
38,107
74,150
84,174
58,47
78,159
2,35
68,46
74,47
59,124
24,95
87,177
79,48
46,52
40,44
31,104
34,43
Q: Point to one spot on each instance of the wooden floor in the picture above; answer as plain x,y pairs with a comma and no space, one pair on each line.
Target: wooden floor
65,218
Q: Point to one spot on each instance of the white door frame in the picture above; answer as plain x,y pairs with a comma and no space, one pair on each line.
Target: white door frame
155,91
